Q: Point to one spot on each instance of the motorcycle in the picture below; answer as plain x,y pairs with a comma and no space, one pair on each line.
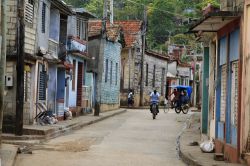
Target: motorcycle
154,110
131,102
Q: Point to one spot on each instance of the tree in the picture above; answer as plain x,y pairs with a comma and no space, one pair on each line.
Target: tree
165,17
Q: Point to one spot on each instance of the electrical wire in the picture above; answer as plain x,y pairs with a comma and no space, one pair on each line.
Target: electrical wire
165,11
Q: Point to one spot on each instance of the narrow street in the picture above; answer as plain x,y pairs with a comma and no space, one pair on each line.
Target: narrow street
129,139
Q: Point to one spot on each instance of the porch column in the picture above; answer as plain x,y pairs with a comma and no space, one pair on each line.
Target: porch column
205,77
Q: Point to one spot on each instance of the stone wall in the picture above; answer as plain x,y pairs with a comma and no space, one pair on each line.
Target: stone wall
131,72
30,29
160,77
11,26
9,113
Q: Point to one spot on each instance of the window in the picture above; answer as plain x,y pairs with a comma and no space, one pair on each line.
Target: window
74,76
43,17
106,70
162,80
116,73
42,83
153,82
146,79
81,29
111,66
29,12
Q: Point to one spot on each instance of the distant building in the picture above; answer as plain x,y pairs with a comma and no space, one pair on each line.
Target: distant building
105,64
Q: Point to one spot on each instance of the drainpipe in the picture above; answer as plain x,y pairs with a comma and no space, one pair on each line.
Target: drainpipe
2,62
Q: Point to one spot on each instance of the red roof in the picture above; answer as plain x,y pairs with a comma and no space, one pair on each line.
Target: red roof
95,27
130,29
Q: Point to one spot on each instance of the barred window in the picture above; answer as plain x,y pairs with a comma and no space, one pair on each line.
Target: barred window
106,70
162,81
146,83
116,73
153,82
43,17
111,68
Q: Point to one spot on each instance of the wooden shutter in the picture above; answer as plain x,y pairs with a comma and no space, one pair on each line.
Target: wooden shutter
29,11
42,85
79,83
111,68
223,93
43,17
116,73
234,93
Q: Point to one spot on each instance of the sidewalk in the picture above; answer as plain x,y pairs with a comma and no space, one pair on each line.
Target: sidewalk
192,155
36,133
8,154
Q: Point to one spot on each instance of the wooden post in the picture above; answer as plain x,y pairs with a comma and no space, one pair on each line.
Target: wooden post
143,54
20,67
2,62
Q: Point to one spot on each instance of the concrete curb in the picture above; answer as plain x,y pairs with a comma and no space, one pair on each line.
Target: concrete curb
187,159
192,155
8,154
55,132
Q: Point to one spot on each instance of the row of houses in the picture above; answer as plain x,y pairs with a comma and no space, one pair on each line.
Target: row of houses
74,62
65,68
225,88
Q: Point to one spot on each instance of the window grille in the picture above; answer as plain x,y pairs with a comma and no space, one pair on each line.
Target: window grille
43,17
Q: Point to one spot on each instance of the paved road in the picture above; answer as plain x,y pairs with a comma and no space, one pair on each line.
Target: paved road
129,139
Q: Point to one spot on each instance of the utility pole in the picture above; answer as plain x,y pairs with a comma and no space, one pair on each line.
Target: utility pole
111,12
101,60
143,54
195,88
2,62
20,67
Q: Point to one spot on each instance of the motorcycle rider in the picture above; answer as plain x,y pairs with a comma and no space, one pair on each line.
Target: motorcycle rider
154,98
130,98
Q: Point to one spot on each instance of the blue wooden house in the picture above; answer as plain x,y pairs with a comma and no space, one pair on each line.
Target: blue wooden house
221,85
104,65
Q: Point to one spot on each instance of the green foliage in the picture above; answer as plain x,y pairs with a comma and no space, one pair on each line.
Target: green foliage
165,17
204,3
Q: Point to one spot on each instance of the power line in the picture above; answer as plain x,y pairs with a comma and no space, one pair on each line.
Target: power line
165,11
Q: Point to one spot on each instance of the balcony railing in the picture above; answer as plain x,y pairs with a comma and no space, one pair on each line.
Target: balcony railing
77,45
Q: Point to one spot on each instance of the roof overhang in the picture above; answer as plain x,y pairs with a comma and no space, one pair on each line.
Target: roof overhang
84,13
62,6
214,21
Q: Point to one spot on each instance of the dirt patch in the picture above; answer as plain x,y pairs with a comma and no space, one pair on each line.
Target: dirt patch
70,146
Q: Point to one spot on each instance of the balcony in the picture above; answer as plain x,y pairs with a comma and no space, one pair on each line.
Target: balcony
77,46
